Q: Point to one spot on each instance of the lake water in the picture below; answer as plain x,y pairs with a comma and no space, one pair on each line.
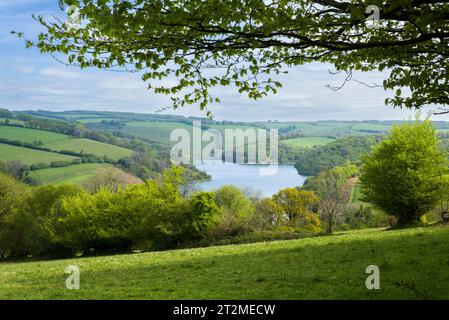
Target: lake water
248,176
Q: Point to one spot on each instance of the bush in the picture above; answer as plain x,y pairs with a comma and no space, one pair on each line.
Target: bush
364,216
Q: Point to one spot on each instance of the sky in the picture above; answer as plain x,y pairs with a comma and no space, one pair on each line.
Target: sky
30,80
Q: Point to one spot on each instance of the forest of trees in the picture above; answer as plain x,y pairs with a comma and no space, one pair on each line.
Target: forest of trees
312,161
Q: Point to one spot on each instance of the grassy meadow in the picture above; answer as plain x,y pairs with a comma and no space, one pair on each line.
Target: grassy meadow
414,264
156,131
75,174
90,146
30,156
11,121
31,135
59,142
308,142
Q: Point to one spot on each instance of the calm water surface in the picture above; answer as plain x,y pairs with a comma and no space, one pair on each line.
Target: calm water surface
248,176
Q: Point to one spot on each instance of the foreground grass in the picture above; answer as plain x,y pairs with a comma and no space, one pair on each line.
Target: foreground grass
414,264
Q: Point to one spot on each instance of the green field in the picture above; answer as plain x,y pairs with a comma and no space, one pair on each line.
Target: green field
371,126
31,135
413,263
75,174
11,121
156,131
30,156
90,146
308,142
59,142
97,120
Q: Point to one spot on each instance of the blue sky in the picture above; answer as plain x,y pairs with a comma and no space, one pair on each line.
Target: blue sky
29,80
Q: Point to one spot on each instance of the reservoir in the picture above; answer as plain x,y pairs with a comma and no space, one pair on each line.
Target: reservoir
249,176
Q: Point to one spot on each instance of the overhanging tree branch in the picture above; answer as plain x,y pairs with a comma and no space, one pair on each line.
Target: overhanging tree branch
250,41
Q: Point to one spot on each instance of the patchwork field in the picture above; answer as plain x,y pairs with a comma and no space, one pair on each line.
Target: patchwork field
59,142
330,267
30,156
307,142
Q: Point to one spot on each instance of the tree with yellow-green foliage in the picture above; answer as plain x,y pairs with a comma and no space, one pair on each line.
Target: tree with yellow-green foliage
294,209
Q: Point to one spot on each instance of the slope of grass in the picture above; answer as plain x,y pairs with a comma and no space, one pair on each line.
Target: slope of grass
75,174
307,142
30,156
59,142
413,263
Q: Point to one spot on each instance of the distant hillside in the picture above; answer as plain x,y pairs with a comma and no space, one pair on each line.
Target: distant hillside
45,147
157,127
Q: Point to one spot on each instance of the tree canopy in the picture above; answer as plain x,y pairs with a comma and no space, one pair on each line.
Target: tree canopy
247,42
